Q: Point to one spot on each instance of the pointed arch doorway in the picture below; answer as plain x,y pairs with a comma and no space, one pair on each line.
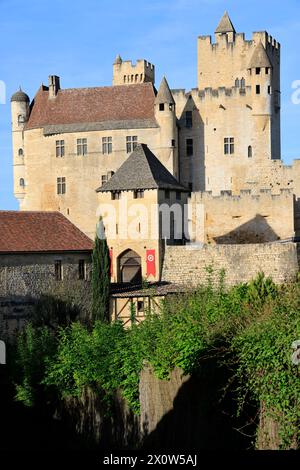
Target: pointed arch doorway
129,267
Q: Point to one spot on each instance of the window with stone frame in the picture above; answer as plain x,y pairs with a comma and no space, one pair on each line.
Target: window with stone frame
189,147
229,145
82,148
61,185
188,119
58,270
82,269
60,148
138,194
106,145
131,143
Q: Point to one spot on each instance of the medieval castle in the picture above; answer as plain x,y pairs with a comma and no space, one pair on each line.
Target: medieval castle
214,149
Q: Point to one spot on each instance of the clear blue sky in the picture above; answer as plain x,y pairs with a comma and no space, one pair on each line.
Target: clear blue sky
78,40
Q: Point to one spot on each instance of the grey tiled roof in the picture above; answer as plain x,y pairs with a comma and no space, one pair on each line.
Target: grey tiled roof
99,126
259,58
142,170
225,25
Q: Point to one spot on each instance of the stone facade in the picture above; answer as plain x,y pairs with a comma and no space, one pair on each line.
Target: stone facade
246,218
25,277
188,265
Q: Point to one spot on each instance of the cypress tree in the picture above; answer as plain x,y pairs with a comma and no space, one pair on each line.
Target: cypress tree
100,276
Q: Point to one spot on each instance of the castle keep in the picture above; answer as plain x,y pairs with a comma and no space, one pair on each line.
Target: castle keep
214,149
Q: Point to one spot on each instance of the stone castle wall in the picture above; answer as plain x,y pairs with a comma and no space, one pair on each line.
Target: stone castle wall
188,265
25,278
247,218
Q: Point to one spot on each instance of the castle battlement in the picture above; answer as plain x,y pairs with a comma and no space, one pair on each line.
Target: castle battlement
127,72
245,195
240,39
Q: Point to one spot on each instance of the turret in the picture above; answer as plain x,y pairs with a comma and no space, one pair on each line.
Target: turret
20,113
260,77
225,29
165,115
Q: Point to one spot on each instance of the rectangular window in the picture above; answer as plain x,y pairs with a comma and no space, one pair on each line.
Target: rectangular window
167,194
140,306
267,70
60,148
81,146
173,143
161,106
189,119
61,185
58,270
106,145
138,194
189,147
178,195
103,179
257,70
258,89
269,90
82,269
131,143
229,145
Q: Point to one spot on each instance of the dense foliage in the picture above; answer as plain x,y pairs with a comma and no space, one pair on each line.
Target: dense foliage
249,327
100,277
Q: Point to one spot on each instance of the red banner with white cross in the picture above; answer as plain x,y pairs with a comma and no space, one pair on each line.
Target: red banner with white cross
150,260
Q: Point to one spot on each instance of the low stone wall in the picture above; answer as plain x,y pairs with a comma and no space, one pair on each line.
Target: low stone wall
188,264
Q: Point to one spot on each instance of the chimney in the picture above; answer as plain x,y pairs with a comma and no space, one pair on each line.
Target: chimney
54,86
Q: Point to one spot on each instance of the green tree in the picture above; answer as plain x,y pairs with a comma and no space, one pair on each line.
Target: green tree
100,276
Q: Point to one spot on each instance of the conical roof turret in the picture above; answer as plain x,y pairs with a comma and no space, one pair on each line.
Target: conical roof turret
164,94
225,25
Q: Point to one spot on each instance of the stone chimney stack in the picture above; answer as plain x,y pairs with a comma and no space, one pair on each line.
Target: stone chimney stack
54,86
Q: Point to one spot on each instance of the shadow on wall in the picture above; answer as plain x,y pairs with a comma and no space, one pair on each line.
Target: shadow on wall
192,166
200,419
256,230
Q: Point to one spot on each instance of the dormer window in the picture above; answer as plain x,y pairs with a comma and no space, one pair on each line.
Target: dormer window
161,106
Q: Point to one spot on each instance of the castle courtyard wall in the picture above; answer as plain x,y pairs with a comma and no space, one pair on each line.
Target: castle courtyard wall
188,265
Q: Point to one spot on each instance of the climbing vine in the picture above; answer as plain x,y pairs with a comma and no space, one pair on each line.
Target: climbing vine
251,326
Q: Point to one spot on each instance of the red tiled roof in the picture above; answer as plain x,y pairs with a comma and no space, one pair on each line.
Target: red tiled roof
40,232
85,105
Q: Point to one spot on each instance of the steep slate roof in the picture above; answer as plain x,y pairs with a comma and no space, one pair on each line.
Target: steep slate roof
141,170
225,25
93,105
259,58
164,94
29,232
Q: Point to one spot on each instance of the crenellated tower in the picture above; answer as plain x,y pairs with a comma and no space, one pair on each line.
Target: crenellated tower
127,73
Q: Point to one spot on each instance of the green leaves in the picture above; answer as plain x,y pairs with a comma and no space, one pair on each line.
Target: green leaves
252,326
100,280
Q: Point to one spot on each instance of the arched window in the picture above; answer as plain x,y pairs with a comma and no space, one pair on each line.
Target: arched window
237,83
20,152
136,77
250,153
243,83
22,182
